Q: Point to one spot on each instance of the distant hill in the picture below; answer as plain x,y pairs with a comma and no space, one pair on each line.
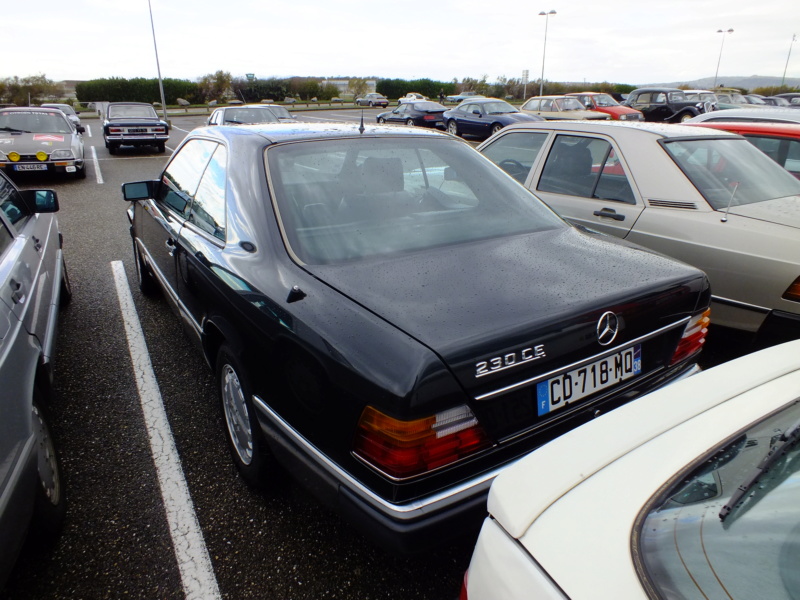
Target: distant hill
748,83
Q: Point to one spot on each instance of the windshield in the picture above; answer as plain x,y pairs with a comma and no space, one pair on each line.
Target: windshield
568,104
239,116
280,112
34,122
131,111
604,100
351,199
731,171
498,108
688,551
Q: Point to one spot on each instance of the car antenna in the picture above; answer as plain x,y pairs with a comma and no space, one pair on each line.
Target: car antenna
361,128
730,201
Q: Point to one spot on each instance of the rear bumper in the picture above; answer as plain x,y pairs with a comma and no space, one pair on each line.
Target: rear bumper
777,328
446,515
134,140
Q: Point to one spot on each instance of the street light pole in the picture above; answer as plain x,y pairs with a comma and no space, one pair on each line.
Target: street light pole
794,38
546,16
716,73
158,67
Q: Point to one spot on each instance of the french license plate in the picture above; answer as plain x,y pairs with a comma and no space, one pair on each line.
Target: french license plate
30,167
572,386
140,130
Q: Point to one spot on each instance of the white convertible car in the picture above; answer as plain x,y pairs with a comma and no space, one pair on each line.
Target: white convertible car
692,491
709,198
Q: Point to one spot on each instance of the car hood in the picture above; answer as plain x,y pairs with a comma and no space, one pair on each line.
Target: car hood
782,211
480,299
31,143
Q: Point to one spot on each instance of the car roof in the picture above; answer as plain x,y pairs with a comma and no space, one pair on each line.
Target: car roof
761,113
657,89
24,109
135,103
275,133
665,130
520,494
744,127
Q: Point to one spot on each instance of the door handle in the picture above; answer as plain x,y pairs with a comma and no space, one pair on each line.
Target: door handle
170,244
609,213
17,295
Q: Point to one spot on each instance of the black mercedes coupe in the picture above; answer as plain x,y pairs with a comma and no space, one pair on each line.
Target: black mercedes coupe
393,319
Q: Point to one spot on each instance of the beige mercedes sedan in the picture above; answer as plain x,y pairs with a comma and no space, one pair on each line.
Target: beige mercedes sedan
706,197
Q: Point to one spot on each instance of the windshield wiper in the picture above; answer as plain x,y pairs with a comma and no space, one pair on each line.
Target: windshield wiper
13,130
778,451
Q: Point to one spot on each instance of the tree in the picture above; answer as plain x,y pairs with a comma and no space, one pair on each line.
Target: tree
216,86
357,86
34,89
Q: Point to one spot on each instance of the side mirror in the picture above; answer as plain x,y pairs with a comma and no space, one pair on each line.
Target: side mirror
476,112
81,129
450,174
40,201
139,190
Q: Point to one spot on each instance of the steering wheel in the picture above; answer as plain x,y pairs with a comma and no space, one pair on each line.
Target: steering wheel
512,167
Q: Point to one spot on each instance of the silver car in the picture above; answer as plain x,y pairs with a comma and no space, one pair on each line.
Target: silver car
703,196
67,110
42,140
33,285
772,114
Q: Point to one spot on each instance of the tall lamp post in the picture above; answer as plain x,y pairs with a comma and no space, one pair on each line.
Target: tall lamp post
716,73
794,38
546,16
158,67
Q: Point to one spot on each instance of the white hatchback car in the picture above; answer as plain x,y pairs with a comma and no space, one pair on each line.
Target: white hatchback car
692,491
706,197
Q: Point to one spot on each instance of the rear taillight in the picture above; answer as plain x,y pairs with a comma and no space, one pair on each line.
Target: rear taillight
429,118
463,595
406,448
793,291
159,129
694,336
115,130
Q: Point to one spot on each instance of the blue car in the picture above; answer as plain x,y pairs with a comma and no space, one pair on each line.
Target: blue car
483,117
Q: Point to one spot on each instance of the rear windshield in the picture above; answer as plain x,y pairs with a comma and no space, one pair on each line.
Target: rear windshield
129,110
350,199
688,551
731,171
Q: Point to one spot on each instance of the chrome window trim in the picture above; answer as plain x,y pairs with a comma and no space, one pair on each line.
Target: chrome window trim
532,380
738,304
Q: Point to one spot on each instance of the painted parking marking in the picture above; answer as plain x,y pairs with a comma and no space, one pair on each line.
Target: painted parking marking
96,163
197,574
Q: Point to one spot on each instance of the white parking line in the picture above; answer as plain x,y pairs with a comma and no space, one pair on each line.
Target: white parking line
96,164
197,574
88,130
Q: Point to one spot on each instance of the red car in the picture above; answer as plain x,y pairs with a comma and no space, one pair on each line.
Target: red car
779,141
606,104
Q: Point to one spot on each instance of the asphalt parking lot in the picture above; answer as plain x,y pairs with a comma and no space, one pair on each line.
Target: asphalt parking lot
118,539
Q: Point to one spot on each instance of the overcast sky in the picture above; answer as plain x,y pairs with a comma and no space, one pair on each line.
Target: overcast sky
617,41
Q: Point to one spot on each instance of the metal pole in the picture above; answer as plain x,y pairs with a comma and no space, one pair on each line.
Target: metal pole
794,37
158,67
544,48
716,73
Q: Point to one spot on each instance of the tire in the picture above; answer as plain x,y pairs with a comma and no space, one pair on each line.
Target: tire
496,127
685,117
161,147
65,294
248,449
50,505
80,173
381,120
112,148
370,103
147,283
452,127
410,122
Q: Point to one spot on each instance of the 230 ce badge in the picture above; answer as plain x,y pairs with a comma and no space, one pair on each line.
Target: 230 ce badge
509,360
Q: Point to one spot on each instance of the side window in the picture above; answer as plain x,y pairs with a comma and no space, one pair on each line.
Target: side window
515,153
613,183
11,203
182,175
208,207
547,105
785,152
587,167
659,98
5,238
